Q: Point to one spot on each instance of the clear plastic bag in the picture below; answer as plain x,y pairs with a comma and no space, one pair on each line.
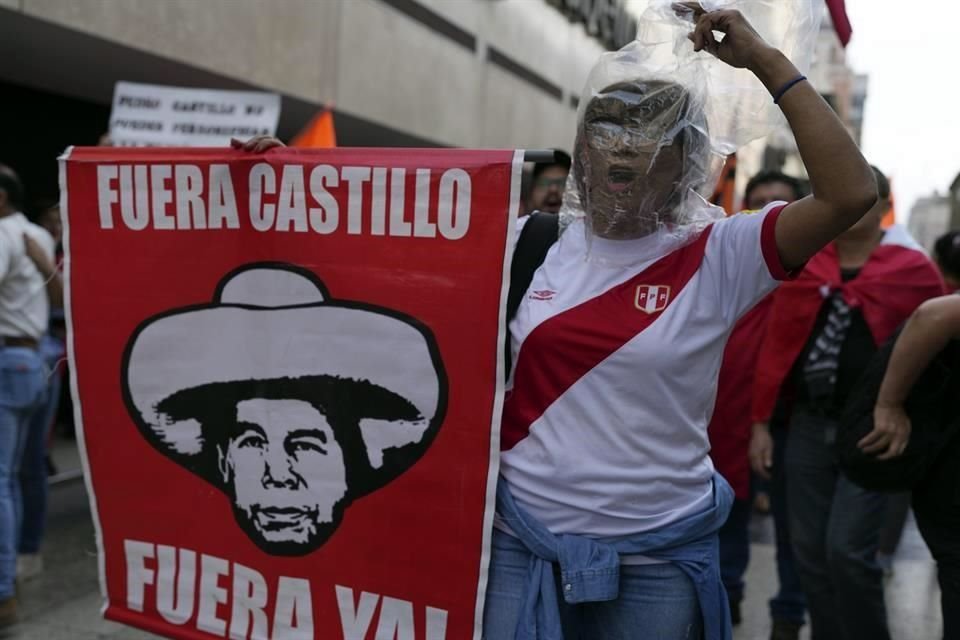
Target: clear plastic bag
657,120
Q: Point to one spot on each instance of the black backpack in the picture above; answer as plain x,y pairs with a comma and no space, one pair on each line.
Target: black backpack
537,236
934,410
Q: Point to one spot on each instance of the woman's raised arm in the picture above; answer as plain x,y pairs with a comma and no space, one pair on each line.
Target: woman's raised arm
843,185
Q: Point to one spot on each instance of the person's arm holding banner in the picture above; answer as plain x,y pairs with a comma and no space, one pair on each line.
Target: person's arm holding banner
258,144
926,333
842,183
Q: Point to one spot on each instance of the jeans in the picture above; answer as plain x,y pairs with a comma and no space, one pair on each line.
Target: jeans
735,549
657,599
22,386
835,528
33,467
789,604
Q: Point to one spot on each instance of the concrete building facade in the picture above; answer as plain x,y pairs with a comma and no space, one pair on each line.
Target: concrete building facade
472,73
479,73
929,219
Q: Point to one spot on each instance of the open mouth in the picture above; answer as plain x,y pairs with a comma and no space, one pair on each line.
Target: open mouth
552,203
619,178
282,511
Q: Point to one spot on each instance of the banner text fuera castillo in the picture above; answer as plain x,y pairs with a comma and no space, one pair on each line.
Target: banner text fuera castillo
321,199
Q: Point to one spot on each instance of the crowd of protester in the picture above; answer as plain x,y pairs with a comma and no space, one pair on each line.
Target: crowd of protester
819,298
737,443
792,366
834,540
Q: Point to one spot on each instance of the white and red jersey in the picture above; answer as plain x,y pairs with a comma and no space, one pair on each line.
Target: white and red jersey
617,346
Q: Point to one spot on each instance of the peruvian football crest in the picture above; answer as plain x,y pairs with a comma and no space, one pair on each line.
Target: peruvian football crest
651,298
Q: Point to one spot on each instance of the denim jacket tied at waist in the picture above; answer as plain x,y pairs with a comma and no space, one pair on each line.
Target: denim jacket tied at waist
590,569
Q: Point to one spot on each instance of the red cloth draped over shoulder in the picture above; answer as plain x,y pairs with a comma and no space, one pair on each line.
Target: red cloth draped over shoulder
891,285
730,424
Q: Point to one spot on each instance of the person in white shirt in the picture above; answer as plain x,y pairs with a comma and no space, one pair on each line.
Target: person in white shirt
604,432
28,279
616,350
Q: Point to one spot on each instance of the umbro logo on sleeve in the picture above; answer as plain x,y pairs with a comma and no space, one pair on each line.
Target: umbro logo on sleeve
542,294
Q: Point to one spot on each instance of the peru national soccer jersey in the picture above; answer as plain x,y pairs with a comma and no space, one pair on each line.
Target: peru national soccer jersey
617,345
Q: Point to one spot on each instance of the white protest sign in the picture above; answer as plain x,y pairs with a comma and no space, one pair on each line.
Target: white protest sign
162,116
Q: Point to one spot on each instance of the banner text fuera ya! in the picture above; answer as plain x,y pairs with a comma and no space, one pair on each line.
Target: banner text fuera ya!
287,372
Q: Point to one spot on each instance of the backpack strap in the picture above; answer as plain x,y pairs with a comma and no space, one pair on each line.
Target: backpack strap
539,233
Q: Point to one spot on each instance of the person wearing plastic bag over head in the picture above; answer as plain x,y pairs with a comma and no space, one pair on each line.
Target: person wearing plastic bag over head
608,505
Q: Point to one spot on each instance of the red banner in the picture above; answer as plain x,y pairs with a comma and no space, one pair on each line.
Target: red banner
287,369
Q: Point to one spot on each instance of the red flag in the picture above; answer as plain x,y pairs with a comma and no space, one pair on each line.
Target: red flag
318,134
841,23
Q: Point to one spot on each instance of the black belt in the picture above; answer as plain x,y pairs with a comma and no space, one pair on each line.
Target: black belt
18,341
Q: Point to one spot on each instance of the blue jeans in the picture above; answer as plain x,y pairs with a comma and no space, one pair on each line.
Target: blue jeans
657,598
23,381
33,466
789,604
735,549
835,526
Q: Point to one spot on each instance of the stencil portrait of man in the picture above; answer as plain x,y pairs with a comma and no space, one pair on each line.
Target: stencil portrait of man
292,404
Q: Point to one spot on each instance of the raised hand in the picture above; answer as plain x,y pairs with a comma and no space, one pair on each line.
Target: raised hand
259,144
740,46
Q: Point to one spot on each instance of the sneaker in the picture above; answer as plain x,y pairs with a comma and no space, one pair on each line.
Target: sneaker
785,630
8,612
29,565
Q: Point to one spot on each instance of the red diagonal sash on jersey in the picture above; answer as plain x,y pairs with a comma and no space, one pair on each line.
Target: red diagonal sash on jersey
597,327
